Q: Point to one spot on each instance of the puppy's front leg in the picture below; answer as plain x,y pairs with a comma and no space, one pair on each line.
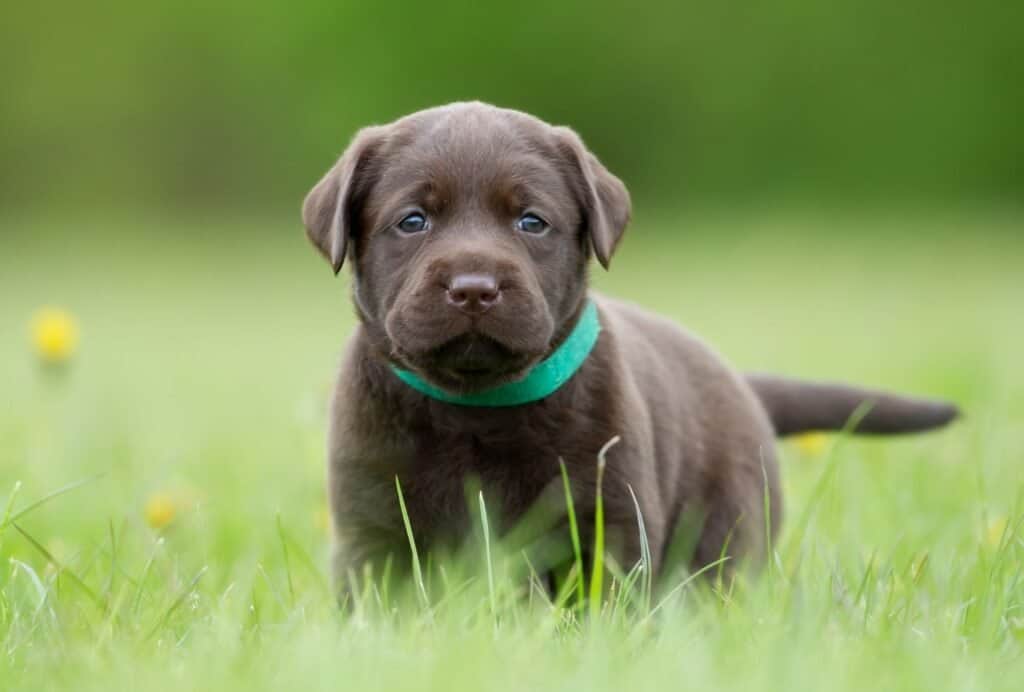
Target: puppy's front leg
360,561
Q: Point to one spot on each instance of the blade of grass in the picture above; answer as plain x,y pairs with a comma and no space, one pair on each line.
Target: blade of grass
767,509
176,604
724,553
10,504
487,556
567,589
574,532
645,555
682,585
46,498
535,582
417,571
37,584
137,601
597,571
869,572
296,550
625,587
61,568
385,580
109,588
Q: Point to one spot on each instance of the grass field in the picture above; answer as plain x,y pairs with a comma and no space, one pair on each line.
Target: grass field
193,555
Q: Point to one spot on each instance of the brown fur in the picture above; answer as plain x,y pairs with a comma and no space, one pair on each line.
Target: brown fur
697,439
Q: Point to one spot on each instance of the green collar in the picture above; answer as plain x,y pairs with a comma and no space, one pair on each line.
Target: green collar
543,380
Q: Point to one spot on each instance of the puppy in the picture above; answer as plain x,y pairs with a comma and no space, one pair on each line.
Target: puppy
481,354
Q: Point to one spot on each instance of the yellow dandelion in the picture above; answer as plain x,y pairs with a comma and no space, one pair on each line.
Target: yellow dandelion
812,444
54,335
160,510
994,531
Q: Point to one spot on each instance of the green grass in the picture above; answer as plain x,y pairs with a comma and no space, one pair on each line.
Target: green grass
202,376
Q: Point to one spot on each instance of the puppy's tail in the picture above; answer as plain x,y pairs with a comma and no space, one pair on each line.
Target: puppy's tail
794,407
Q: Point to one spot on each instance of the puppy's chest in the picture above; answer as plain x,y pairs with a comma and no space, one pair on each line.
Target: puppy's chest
512,466
506,460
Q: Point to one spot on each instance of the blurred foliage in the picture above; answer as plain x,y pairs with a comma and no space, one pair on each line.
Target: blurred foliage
243,104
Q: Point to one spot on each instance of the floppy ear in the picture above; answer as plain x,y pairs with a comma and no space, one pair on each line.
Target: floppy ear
328,210
605,198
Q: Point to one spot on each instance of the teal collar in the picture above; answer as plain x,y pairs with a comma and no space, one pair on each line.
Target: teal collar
543,380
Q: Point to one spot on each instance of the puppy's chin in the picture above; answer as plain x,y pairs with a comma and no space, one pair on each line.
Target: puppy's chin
471,363
462,355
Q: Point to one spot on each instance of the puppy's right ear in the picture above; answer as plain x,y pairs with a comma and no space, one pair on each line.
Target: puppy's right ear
328,210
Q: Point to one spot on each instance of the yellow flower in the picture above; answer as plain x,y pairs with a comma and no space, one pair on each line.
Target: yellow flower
812,444
160,510
54,335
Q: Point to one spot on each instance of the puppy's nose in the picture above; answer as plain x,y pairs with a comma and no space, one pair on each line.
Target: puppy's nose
473,293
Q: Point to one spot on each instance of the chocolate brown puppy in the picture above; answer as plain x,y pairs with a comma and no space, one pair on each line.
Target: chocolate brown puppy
481,354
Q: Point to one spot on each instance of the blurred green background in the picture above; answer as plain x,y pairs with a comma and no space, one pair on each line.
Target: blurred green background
240,105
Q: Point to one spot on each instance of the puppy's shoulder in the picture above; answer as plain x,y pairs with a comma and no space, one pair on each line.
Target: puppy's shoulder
636,327
681,374
660,352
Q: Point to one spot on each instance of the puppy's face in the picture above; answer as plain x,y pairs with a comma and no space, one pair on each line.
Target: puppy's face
469,228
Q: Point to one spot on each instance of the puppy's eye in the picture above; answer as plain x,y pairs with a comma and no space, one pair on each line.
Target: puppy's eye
531,223
413,223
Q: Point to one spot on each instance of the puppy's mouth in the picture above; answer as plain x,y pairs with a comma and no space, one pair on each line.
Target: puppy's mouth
474,361
465,354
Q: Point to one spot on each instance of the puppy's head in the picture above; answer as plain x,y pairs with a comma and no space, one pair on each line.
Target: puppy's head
469,228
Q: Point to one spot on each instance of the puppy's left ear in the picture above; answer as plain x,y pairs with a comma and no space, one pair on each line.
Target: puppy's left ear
329,209
605,199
